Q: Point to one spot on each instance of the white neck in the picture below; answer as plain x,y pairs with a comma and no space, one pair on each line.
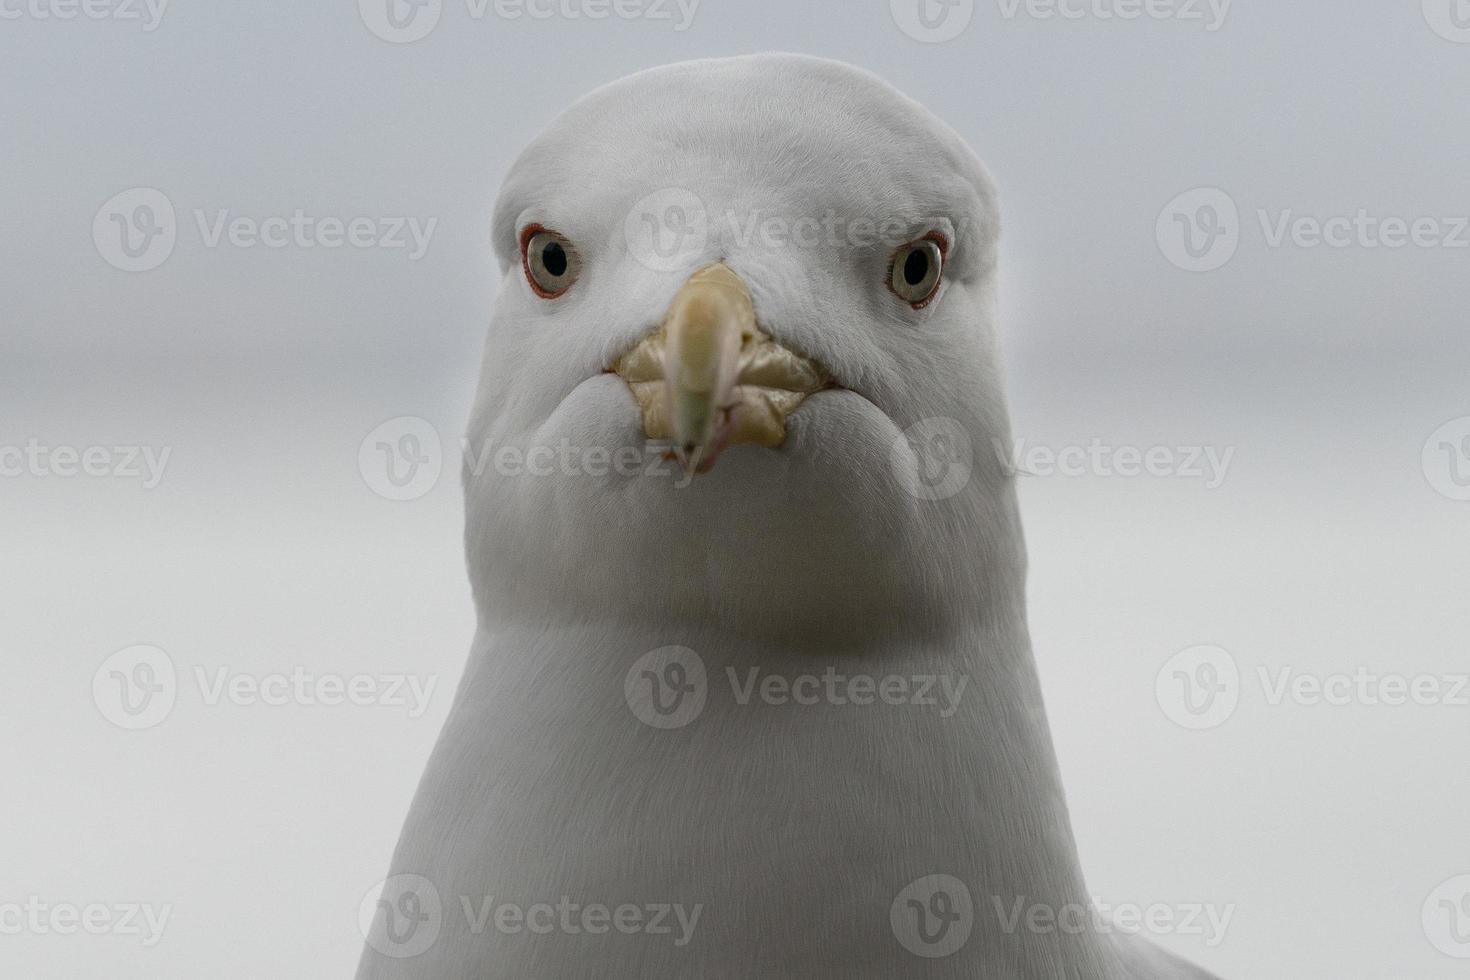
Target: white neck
829,804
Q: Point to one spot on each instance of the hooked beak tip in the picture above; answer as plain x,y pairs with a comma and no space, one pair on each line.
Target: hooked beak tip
705,331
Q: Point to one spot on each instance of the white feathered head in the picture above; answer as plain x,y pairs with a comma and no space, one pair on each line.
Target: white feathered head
743,361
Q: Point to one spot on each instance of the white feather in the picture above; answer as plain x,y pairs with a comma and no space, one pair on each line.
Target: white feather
793,827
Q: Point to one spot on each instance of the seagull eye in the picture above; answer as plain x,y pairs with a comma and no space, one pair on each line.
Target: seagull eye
917,270
549,260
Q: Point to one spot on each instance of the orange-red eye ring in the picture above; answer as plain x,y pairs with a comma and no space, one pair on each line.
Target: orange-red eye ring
527,234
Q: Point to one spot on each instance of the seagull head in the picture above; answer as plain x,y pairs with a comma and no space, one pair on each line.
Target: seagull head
743,360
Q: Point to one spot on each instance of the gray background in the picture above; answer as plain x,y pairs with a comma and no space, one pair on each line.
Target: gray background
1326,549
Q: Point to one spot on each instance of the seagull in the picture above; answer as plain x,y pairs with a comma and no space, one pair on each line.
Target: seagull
752,693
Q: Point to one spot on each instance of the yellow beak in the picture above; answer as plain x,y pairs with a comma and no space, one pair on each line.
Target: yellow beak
709,378
708,324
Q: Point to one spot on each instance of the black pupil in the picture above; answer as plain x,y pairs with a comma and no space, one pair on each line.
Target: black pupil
554,257
916,267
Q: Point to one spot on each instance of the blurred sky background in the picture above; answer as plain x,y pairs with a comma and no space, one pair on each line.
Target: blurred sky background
1334,543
